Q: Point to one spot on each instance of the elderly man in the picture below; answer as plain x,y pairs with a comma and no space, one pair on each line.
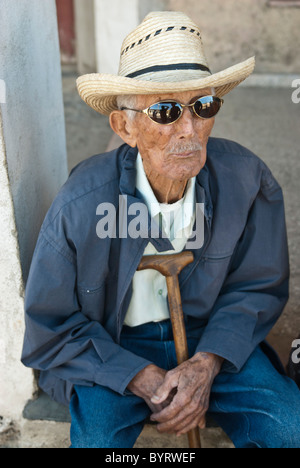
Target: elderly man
99,330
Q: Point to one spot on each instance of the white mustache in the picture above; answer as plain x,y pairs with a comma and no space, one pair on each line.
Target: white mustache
181,148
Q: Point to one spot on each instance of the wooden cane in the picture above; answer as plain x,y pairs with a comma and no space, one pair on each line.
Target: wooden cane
170,266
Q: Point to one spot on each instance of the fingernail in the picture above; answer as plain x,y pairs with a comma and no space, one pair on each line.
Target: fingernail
155,398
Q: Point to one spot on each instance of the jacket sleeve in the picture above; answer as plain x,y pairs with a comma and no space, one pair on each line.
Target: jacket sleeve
59,337
255,291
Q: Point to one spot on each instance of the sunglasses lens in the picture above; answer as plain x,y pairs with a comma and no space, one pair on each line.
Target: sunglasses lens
207,107
164,112
167,112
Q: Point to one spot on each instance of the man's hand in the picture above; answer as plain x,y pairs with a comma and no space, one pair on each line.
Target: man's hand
145,384
193,381
179,398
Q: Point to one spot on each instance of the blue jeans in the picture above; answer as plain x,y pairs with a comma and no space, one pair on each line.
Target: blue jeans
257,407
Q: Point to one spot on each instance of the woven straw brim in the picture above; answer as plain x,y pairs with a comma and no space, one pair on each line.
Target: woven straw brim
99,91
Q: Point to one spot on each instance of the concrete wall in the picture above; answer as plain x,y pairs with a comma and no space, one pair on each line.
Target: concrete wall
85,36
233,30
33,166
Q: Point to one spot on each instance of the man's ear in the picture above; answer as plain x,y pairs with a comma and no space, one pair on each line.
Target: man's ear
123,126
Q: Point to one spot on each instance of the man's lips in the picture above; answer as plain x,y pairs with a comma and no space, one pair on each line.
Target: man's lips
188,154
185,151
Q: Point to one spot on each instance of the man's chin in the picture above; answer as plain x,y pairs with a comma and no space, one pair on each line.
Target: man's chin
190,165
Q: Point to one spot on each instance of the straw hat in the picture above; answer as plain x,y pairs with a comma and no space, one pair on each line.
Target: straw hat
164,54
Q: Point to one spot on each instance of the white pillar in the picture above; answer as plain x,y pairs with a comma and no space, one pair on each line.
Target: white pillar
33,166
114,19
16,383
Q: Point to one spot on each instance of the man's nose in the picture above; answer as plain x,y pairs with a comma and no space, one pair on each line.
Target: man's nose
186,123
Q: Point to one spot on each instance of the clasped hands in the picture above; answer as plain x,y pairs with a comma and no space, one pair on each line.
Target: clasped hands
178,399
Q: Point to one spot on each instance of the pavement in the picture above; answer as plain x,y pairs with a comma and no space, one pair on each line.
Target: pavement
265,120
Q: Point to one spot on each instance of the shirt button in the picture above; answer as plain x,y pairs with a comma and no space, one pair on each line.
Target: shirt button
160,292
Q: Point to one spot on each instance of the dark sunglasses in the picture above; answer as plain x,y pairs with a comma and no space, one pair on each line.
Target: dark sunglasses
168,112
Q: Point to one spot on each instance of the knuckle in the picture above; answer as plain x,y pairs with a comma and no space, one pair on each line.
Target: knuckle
185,400
169,376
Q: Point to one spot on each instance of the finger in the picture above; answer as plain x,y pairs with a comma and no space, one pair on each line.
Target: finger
187,429
176,425
191,423
155,408
163,391
171,421
177,409
181,413
182,405
184,401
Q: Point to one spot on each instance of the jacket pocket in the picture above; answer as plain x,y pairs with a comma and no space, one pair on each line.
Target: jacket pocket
91,300
212,258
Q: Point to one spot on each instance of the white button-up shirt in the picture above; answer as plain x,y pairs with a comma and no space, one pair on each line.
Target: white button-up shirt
149,298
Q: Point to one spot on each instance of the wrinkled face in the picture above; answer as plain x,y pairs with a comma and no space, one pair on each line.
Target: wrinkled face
176,151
